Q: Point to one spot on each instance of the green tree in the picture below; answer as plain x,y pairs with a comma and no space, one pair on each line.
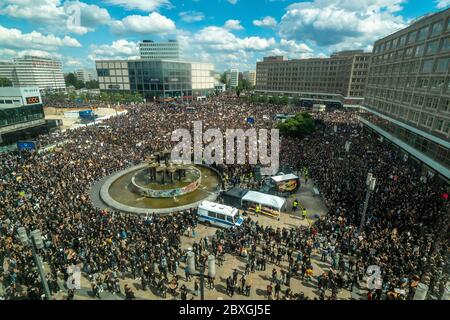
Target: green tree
300,125
223,78
93,84
5,82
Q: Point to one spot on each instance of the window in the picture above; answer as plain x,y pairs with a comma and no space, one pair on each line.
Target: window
442,65
437,28
432,47
220,216
412,37
212,214
419,50
427,66
439,125
402,41
230,219
423,33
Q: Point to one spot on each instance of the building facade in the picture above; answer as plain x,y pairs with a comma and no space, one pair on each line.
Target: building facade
150,50
407,96
30,71
340,77
232,77
157,79
21,113
86,75
250,76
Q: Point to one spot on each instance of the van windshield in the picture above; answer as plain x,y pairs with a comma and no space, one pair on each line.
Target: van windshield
238,219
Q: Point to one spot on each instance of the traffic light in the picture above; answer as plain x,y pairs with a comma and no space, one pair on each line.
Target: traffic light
37,239
23,237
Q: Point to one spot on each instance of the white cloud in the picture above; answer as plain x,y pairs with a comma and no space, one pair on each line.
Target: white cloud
217,39
8,54
232,1
295,47
441,4
43,10
191,16
119,49
56,16
144,5
14,38
233,25
154,23
341,24
266,22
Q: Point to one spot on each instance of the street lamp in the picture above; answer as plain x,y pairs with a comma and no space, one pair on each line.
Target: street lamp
35,240
211,270
371,183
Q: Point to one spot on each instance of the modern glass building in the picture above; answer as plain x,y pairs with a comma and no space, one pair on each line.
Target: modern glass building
21,113
157,79
150,50
407,97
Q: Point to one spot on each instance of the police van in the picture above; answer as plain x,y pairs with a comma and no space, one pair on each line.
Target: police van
219,215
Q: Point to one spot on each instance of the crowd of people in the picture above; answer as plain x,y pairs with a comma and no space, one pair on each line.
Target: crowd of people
405,235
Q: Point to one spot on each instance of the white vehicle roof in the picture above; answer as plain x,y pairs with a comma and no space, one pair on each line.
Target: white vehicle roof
218,208
264,199
284,177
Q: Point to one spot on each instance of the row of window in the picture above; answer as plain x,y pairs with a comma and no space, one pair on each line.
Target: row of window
423,33
9,101
431,48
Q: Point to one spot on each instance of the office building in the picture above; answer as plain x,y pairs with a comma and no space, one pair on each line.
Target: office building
29,71
85,75
220,87
407,98
150,50
21,114
158,79
250,77
232,77
338,79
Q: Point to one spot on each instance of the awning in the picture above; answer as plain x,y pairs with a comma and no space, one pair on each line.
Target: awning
265,199
284,177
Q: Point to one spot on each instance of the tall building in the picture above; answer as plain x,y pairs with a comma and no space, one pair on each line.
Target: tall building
407,98
232,77
337,79
85,75
30,71
250,76
150,50
158,79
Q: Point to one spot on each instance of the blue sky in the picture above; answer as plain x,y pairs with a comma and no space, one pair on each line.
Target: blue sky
229,33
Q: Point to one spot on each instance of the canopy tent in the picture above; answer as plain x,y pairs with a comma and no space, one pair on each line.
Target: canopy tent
264,199
233,197
284,177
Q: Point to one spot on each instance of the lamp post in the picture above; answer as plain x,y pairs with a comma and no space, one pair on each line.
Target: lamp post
371,183
35,240
211,270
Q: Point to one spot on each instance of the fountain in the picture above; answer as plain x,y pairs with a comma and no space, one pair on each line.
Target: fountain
159,185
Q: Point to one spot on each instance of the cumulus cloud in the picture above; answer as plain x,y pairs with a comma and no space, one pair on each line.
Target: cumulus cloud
218,38
154,23
143,5
440,4
191,16
14,38
233,25
119,49
74,16
266,22
341,24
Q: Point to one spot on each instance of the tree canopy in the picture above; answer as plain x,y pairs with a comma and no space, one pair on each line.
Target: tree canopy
300,125
5,82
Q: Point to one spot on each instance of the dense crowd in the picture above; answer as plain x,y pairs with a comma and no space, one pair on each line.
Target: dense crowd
406,231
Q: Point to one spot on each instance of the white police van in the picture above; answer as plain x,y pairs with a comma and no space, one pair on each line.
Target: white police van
219,215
